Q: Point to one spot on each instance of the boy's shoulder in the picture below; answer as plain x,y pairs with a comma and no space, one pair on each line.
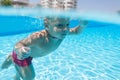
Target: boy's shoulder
39,34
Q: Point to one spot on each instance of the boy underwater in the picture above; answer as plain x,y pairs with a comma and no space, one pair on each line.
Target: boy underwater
39,44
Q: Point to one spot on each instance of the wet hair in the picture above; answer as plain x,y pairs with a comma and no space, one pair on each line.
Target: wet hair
48,21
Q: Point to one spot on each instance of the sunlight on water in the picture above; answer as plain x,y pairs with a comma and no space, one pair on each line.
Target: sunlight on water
92,55
39,12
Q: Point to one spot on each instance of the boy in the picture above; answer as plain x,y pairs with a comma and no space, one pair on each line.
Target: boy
39,44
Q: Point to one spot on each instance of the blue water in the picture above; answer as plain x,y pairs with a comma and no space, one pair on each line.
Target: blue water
92,55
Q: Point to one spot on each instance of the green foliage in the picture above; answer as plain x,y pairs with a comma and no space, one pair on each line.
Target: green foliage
6,2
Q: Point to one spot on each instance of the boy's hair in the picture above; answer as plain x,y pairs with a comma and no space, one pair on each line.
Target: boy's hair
48,21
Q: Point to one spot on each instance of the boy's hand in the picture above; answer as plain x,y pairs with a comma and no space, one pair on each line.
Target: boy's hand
78,29
81,26
23,52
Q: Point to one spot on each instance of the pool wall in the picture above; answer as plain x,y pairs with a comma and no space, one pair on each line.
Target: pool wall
11,25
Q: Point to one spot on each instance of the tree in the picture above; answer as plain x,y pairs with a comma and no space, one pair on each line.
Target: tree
6,2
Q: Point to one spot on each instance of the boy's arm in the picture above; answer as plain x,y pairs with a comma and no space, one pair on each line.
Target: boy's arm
23,47
27,42
78,29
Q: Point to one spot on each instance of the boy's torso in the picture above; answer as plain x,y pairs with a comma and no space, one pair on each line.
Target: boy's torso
45,47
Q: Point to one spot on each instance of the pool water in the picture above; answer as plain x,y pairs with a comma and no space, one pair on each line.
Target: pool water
91,55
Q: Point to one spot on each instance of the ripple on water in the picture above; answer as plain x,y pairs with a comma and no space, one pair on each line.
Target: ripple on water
90,73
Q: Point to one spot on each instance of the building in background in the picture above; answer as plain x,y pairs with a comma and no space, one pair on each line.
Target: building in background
57,4
46,3
67,4
19,3
70,4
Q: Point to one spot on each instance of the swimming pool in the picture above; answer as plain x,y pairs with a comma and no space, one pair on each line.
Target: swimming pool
92,55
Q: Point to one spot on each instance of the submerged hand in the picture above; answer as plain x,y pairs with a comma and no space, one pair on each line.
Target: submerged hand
23,52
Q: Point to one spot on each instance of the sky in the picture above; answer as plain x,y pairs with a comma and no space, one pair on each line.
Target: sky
98,5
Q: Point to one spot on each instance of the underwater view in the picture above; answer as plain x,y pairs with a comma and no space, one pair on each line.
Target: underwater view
92,55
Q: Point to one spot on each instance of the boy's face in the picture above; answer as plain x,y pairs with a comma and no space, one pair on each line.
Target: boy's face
58,27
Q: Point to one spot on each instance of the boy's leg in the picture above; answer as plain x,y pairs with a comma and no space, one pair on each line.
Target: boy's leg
17,76
26,73
7,62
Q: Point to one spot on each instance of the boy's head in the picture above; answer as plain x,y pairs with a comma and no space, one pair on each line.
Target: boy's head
57,27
